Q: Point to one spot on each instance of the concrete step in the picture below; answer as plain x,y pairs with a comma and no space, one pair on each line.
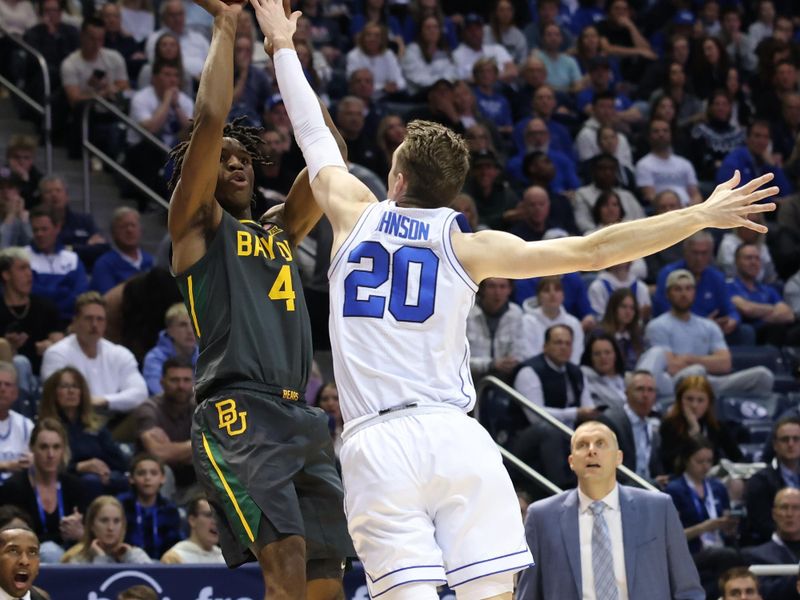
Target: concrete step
105,194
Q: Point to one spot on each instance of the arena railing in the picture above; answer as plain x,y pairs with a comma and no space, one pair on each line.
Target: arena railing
492,381
43,108
90,149
790,570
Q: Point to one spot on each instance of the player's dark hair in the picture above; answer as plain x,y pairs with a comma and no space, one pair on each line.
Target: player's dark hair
245,135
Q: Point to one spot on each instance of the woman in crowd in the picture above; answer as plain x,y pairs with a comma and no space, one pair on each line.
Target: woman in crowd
391,132
702,501
604,370
372,52
590,45
693,414
742,106
202,545
421,9
54,498
688,108
95,456
427,59
710,69
167,50
376,12
501,30
328,400
464,204
103,540
714,137
607,210
622,321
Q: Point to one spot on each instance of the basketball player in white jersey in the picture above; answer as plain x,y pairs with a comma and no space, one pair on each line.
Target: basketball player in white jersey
427,497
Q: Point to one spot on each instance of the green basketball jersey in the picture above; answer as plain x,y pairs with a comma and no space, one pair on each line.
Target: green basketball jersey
246,304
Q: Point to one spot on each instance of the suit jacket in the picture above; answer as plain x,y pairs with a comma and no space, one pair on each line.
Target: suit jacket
759,497
773,553
617,419
658,565
682,497
37,595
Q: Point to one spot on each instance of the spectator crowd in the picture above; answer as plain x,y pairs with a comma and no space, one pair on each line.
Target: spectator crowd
578,114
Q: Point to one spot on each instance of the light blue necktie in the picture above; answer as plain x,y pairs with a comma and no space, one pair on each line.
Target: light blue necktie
605,585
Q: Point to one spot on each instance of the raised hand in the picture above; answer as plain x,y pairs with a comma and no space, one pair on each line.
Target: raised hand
218,7
274,20
729,206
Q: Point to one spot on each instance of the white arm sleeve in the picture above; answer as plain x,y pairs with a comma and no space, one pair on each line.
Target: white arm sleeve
312,135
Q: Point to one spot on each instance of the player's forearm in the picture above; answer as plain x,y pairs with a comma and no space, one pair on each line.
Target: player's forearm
630,240
215,94
310,129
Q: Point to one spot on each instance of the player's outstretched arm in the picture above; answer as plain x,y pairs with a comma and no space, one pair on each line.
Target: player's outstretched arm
340,195
193,209
301,212
497,254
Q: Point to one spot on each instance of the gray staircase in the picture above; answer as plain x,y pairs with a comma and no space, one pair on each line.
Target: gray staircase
105,192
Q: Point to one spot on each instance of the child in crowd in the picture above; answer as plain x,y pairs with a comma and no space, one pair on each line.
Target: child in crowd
153,521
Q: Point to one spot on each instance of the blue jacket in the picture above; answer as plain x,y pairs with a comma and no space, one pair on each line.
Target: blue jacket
112,269
60,277
689,512
711,293
566,174
741,159
156,357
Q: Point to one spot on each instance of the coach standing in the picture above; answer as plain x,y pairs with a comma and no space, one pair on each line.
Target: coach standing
580,537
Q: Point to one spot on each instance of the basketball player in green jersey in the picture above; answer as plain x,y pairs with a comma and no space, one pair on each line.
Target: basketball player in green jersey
262,454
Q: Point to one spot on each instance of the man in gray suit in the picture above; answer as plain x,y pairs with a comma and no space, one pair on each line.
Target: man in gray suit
636,427
603,540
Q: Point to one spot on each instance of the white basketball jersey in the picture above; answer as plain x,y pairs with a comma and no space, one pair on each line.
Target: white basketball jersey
399,306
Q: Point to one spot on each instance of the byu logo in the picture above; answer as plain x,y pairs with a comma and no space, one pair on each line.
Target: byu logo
229,417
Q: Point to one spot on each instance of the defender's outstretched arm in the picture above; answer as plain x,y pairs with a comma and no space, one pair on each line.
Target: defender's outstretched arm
498,254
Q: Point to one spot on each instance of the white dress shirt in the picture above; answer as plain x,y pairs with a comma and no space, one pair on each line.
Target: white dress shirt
613,517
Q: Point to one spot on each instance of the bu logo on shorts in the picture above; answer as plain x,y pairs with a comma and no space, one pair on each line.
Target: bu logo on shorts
229,417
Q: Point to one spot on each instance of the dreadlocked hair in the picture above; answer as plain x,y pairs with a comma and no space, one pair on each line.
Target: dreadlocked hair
247,136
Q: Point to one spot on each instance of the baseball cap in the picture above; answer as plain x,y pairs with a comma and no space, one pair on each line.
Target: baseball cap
483,157
274,100
473,19
678,274
683,17
598,62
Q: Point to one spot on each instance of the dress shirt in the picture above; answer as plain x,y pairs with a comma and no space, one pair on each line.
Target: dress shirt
643,438
613,517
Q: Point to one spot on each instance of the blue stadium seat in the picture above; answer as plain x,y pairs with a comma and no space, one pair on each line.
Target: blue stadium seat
745,357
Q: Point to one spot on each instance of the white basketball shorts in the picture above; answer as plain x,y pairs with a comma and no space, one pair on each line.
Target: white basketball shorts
428,499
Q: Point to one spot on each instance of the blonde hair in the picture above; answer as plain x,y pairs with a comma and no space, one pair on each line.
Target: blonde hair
48,406
82,548
434,161
174,312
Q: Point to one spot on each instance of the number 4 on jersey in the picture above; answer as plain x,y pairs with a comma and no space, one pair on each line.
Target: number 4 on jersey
282,288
